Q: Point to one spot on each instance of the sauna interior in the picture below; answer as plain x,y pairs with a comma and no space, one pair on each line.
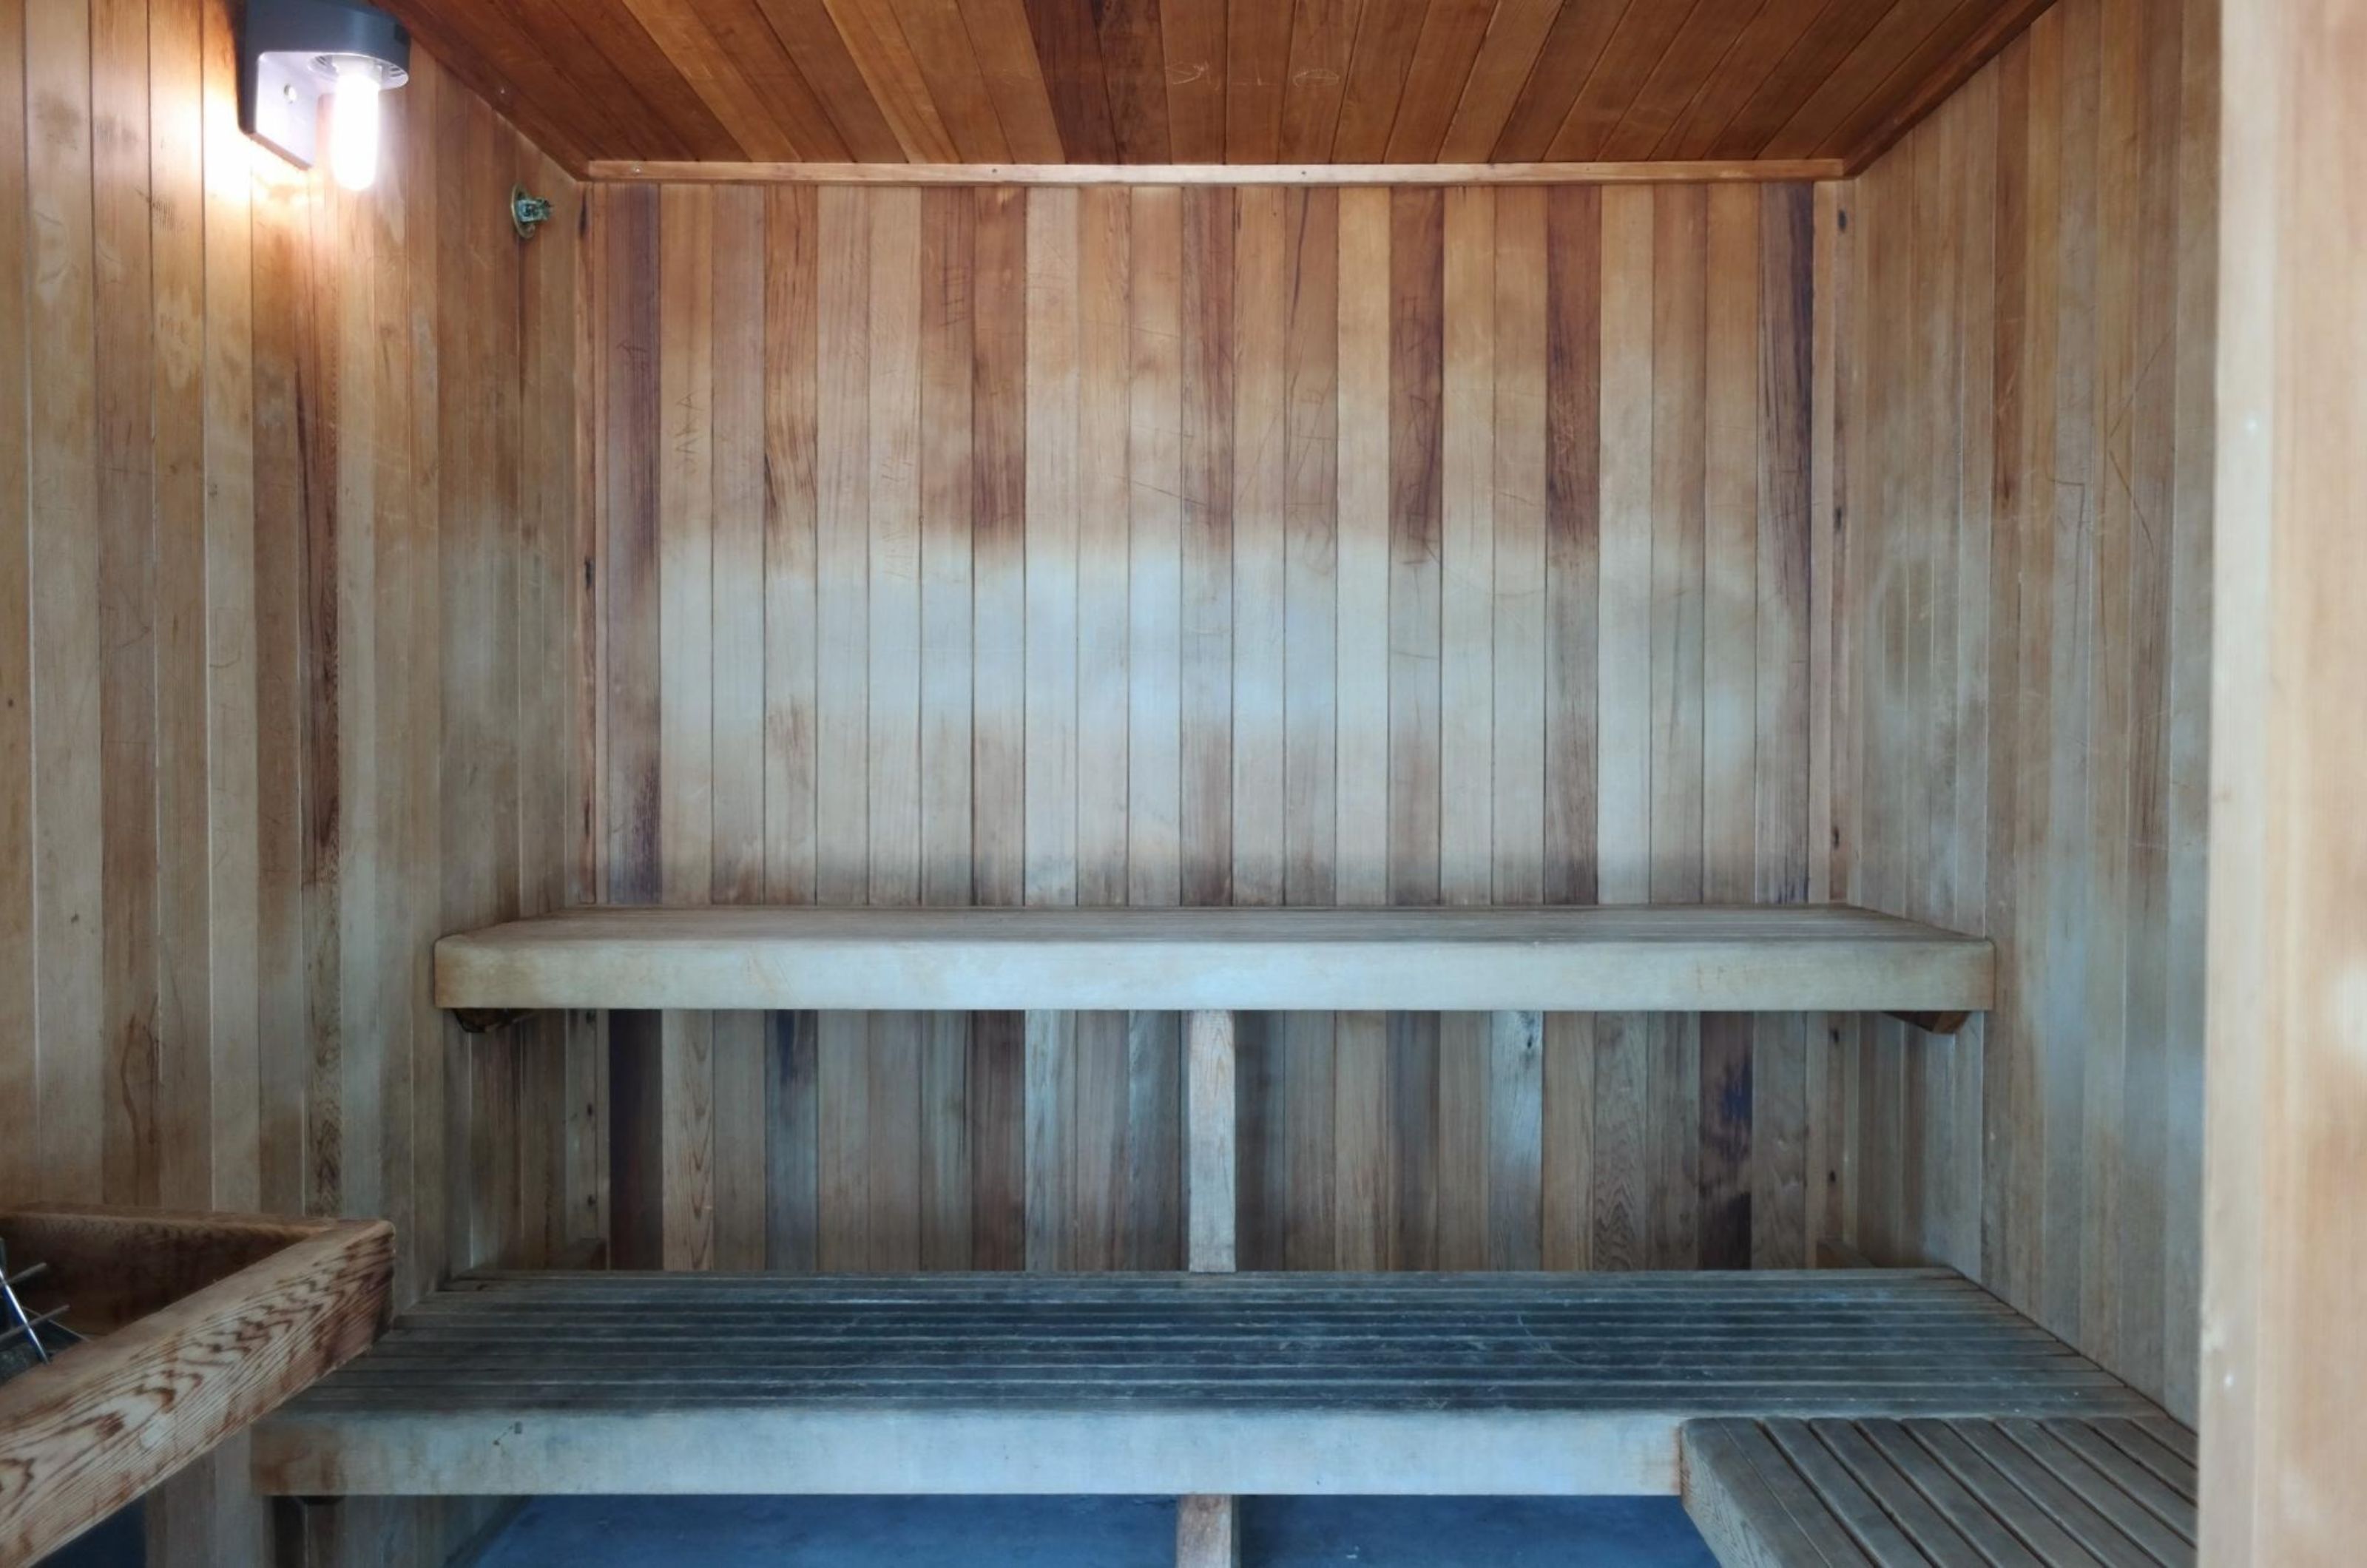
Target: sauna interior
1194,751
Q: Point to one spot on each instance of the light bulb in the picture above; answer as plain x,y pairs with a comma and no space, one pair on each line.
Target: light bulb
352,127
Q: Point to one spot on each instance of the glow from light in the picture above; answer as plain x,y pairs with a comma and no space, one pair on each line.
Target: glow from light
352,127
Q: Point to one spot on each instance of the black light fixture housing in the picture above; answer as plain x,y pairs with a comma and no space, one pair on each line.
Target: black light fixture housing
293,53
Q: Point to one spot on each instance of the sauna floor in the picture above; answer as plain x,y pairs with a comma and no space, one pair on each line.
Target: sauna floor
1095,1533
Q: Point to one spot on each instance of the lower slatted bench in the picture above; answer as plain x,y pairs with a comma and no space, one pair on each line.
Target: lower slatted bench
2008,1492
1214,1384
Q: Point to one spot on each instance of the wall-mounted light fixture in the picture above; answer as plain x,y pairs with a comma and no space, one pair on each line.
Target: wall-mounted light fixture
292,54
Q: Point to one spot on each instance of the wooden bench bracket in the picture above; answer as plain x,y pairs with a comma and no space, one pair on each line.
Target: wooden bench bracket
485,1021
1933,1022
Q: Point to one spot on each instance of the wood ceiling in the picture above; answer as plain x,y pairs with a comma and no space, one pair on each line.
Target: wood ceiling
1098,81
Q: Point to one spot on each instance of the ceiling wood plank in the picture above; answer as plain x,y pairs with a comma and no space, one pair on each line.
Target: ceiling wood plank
564,74
1322,35
1707,37
514,80
954,77
705,64
753,47
1841,27
790,172
1940,79
1386,35
1771,35
875,37
1257,58
1516,38
1645,33
1572,50
1133,66
611,28
638,84
1443,58
1070,47
1014,77
1191,34
806,30
1900,33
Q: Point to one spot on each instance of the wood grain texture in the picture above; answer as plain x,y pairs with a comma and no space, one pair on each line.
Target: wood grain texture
1641,958
1781,1492
2020,711
2282,1412
292,605
1208,82
1256,712
1165,1384
107,1420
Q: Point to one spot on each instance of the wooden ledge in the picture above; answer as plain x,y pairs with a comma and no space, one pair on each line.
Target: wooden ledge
1640,959
1755,169
270,1307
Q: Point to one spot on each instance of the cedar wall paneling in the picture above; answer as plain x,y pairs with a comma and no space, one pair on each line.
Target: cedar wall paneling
1207,546
287,483
2028,460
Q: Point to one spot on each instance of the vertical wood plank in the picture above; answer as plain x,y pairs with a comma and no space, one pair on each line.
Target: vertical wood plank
791,471
1520,578
1573,335
736,456
1362,869
998,405
842,543
949,355
232,886
1310,571
62,493
1103,313
892,617
1417,283
686,684
20,1052
1052,500
1204,844
1261,470
125,371
1211,1160
1155,561
1467,550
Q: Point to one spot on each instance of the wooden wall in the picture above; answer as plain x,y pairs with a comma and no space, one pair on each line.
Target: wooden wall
2283,1385
286,500
1211,547
2028,450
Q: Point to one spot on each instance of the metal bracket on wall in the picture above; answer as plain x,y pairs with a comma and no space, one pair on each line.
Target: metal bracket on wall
528,213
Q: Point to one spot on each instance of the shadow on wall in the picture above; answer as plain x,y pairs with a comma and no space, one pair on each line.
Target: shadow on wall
1095,1533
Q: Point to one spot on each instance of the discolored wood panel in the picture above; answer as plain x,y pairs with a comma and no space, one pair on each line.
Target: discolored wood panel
1317,546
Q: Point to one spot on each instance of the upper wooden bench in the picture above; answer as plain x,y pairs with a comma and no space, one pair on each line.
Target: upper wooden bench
1633,959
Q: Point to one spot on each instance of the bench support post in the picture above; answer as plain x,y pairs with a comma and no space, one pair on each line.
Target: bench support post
1208,1530
1207,1533
1208,1116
